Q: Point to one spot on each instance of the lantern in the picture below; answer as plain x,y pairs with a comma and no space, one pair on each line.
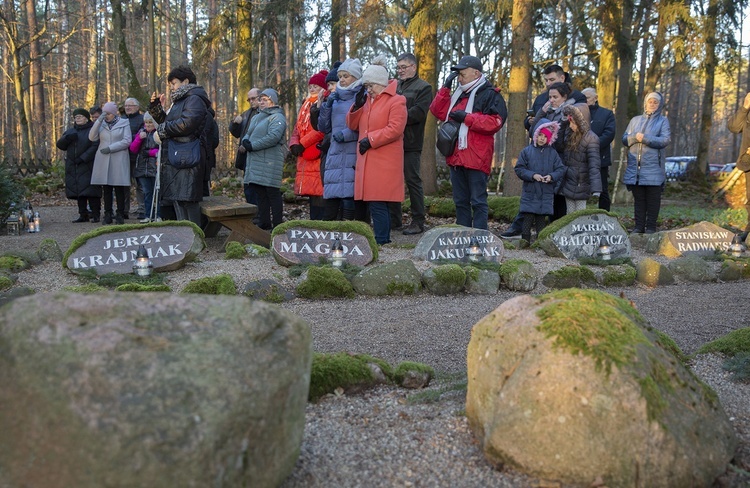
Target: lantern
737,247
13,223
143,266
338,258
605,252
474,252
37,222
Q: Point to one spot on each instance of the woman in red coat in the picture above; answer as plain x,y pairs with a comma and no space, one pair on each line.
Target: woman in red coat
379,114
304,145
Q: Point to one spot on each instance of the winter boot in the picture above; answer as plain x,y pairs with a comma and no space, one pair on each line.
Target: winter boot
95,218
81,218
119,218
107,220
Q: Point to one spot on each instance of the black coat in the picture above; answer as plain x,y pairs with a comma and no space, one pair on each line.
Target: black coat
239,130
185,122
136,123
418,94
79,161
603,125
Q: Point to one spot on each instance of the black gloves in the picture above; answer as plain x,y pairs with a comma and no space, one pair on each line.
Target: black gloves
297,149
247,145
364,145
105,150
449,81
458,115
360,98
338,137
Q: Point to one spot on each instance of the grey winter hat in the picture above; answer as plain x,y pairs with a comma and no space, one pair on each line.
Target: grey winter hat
375,74
352,66
272,94
468,62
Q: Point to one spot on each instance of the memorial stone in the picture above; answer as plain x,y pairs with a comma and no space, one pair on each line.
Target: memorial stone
583,237
302,245
701,239
168,246
451,243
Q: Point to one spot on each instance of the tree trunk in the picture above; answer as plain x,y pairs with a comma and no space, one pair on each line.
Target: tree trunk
709,66
92,95
36,83
134,86
244,52
606,82
626,53
424,30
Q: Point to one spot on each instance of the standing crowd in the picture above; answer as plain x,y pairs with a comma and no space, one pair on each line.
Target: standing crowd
357,140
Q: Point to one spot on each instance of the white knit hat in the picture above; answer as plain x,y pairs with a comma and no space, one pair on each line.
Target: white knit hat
353,67
376,73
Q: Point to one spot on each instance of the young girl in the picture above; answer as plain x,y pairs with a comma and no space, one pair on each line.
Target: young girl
581,158
541,170
145,166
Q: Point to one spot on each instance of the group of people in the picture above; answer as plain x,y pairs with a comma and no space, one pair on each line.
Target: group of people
357,141
106,148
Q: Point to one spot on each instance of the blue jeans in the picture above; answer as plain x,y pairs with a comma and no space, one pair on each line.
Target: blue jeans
381,222
470,196
147,186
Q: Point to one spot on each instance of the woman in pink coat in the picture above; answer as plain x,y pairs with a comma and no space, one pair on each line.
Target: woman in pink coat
379,114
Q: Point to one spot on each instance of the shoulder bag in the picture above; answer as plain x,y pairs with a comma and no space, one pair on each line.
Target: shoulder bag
447,137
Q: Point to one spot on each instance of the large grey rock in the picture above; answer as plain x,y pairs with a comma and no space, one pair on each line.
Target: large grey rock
614,275
519,275
583,236
396,278
49,250
652,273
451,243
701,239
267,290
542,400
733,270
692,268
109,250
303,243
481,281
153,389
446,279
569,277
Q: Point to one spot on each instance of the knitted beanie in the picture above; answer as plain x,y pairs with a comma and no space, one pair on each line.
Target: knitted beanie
272,94
110,108
319,79
82,111
353,67
333,75
547,133
376,73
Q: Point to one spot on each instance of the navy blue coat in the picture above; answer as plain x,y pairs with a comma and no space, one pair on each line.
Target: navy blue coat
537,197
603,125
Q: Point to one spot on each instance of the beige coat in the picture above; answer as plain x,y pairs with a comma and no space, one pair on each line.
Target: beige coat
111,169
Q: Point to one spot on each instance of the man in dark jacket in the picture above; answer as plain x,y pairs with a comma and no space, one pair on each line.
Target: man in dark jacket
135,118
603,125
418,95
238,128
182,185
480,111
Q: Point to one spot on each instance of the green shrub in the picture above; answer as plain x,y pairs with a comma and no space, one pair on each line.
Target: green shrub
13,264
342,370
235,250
5,282
222,284
11,191
325,282
504,208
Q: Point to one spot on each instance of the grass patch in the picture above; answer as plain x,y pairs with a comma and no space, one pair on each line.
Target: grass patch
736,342
13,264
503,208
114,280
139,287
234,250
222,284
739,366
87,288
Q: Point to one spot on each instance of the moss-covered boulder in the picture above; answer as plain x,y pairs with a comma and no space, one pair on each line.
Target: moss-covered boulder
446,279
13,293
256,251
270,291
325,282
572,386
734,269
347,372
234,250
49,250
7,281
569,277
413,375
30,257
222,284
652,273
518,275
481,281
395,278
13,264
692,268
615,275
154,389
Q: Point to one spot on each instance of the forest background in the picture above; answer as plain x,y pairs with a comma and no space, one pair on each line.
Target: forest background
58,55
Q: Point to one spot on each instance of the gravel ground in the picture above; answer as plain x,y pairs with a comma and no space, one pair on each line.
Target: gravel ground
382,438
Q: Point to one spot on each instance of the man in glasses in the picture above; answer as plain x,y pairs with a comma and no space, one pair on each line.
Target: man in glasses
238,128
418,94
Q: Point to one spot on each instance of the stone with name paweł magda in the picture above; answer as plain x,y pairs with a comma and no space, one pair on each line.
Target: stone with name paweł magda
583,237
168,246
300,245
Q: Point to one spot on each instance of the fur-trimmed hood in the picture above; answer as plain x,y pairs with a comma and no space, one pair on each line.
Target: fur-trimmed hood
581,119
553,127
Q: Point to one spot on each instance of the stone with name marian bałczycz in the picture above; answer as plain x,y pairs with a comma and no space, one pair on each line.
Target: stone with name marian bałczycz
168,246
451,243
299,245
701,239
583,237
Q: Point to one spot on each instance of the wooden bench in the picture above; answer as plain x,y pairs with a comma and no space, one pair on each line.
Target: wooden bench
237,217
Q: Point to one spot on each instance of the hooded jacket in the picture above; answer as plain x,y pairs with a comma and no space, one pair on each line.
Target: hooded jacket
338,175
537,197
146,150
583,173
265,163
186,121
484,122
646,159
79,161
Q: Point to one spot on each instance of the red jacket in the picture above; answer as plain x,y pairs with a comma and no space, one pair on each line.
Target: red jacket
379,174
484,122
307,181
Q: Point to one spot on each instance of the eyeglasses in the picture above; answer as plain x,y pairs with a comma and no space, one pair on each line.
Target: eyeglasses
402,67
128,105
251,99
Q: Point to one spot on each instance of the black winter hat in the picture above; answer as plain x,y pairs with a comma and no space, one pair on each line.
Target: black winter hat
333,75
82,111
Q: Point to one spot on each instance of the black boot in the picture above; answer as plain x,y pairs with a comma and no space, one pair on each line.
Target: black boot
95,218
81,218
119,219
107,220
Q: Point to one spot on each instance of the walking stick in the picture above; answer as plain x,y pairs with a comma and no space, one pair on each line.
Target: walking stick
157,187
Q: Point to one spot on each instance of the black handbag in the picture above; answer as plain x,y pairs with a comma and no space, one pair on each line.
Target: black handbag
183,155
447,137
